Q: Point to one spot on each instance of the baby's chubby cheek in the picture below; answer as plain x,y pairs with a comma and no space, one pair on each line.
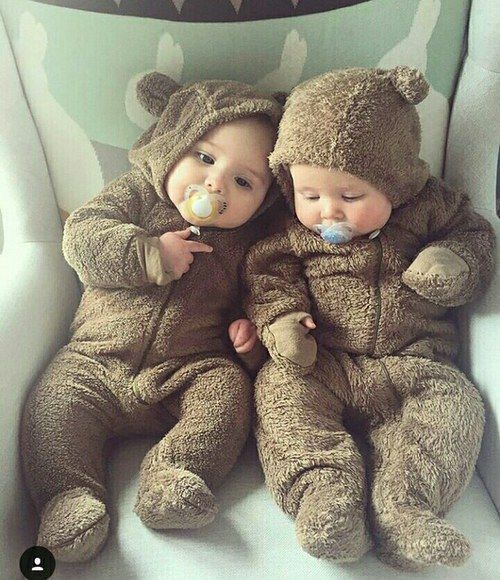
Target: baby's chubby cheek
371,214
173,190
307,216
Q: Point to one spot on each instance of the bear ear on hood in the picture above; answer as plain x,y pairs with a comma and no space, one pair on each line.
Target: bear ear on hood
154,90
410,83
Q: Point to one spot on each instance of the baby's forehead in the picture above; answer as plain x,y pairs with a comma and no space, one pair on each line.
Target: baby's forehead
250,139
331,174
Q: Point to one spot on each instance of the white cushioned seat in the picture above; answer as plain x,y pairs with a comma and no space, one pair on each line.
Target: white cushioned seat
251,538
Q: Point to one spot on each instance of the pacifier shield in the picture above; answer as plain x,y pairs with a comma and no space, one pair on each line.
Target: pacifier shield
336,233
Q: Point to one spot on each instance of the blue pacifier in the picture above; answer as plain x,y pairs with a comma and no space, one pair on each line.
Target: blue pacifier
336,233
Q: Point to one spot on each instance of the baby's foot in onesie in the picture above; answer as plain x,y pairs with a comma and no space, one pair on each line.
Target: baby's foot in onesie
414,539
74,525
330,525
170,497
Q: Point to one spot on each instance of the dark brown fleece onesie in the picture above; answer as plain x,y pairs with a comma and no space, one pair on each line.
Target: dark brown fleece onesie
147,353
384,344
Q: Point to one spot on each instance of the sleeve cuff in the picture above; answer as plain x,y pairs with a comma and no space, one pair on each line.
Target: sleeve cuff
148,250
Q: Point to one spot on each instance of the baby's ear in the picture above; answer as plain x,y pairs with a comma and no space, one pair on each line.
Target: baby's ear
154,90
281,97
410,83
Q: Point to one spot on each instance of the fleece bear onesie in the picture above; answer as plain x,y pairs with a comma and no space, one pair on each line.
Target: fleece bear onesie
147,353
383,348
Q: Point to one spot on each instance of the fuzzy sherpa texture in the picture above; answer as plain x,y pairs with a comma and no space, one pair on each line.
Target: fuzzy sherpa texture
174,498
356,292
386,339
330,524
362,121
423,421
74,526
147,354
190,112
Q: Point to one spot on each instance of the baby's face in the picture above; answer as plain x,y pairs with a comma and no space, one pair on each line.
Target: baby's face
324,196
230,160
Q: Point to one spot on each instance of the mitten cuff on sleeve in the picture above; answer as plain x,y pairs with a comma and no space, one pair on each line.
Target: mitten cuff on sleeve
440,275
148,250
286,338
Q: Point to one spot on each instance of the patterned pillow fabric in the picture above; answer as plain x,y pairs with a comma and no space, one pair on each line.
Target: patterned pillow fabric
203,11
80,60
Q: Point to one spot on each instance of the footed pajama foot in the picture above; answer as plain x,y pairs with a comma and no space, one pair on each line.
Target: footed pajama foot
171,497
74,525
331,526
414,539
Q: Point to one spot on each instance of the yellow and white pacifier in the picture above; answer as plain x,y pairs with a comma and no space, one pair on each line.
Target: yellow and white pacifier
201,207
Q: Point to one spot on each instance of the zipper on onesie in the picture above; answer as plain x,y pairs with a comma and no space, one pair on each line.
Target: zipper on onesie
152,330
156,323
378,243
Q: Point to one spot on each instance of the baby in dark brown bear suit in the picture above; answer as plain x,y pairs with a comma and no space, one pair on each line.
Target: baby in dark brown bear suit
352,301
149,351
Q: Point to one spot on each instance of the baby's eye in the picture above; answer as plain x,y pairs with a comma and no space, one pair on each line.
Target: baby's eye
350,198
204,158
242,182
312,197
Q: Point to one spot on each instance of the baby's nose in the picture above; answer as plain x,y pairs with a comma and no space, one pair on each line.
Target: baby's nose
331,210
214,182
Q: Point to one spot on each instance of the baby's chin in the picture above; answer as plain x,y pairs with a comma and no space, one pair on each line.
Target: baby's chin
199,223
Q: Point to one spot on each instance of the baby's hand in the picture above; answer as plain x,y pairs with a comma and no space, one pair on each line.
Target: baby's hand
439,275
177,252
243,335
308,322
292,340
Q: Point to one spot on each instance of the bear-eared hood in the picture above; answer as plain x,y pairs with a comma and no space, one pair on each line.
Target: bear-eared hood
185,114
362,121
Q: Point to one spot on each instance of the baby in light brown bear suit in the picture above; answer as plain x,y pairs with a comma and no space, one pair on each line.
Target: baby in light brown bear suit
352,300
149,349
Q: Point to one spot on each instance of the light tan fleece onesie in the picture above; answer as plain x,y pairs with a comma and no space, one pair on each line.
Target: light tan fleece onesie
381,357
147,354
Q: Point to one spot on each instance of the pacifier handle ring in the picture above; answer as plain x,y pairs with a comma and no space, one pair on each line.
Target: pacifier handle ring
194,188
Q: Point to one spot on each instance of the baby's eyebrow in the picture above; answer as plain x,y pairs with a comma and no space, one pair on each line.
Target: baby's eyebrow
256,174
207,143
